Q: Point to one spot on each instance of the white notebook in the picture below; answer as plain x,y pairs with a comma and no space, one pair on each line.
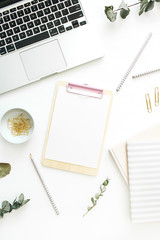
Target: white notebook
144,180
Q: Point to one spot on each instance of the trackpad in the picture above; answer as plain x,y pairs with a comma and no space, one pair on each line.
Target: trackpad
43,60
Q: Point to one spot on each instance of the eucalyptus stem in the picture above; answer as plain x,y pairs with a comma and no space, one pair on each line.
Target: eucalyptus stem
132,5
98,195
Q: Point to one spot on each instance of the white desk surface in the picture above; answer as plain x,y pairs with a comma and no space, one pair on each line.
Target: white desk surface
110,219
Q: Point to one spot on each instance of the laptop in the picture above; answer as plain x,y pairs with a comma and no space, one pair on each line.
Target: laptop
42,37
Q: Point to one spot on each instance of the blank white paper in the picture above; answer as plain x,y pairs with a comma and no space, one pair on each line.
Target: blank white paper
77,128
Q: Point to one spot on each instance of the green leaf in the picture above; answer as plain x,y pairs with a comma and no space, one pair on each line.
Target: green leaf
1,213
149,6
24,202
5,169
103,188
89,208
105,183
16,205
124,10
92,199
97,196
111,15
21,198
157,0
143,6
6,207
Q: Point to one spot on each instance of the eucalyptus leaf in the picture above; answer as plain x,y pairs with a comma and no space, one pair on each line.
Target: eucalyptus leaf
21,198
1,213
16,205
25,201
149,6
97,196
143,6
92,199
111,15
89,208
6,207
5,169
124,10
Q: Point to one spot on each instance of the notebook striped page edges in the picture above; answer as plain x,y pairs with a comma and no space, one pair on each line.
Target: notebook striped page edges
144,181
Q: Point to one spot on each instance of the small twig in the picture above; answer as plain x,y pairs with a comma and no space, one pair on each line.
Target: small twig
98,195
132,5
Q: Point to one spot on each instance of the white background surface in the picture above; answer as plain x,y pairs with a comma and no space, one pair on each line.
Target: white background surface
111,217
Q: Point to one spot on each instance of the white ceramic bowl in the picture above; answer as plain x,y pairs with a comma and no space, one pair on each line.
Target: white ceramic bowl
6,132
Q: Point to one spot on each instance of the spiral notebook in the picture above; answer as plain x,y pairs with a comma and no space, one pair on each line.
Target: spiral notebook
77,128
144,180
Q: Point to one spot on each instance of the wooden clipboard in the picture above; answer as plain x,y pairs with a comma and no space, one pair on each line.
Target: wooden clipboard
77,128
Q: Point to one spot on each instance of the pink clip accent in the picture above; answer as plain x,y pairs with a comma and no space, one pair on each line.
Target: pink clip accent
85,90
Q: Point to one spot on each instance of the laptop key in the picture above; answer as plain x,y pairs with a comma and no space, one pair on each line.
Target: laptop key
20,13
57,22
36,30
5,26
61,29
41,5
29,33
50,25
75,8
19,21
16,30
23,27
65,12
12,9
6,18
9,40
2,35
10,48
12,24
64,20
83,23
5,12
48,3
1,20
15,38
30,24
68,28
33,16
31,40
2,51
27,10
74,1
22,35
53,32
13,15
40,13
75,24
47,11
58,14
37,22
0,29
43,27
2,43
9,32
26,19
20,7
54,8
44,19
51,17
74,16
68,3
27,4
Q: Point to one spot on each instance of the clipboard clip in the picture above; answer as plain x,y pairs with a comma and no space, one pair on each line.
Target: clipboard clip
84,90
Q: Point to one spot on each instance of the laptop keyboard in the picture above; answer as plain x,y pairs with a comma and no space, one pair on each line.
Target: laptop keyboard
38,20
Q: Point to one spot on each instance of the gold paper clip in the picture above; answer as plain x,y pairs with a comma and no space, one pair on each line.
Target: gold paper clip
156,96
148,102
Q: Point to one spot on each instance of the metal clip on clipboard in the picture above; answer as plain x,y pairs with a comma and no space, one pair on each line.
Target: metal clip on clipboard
84,90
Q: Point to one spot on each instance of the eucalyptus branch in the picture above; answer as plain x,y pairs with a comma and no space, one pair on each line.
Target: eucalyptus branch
124,9
8,207
98,195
